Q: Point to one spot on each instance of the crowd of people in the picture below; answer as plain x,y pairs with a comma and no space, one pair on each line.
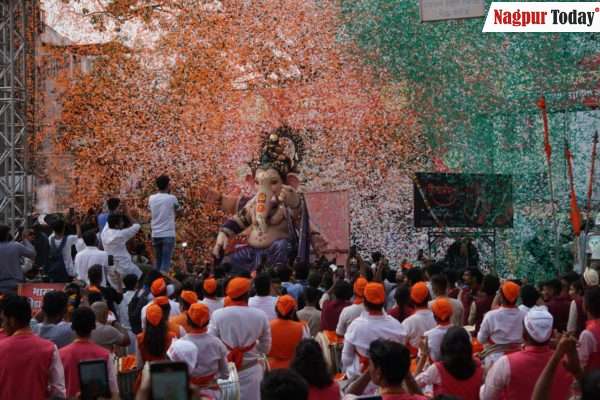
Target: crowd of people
425,329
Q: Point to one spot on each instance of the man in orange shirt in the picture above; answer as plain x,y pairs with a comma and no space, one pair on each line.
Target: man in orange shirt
286,333
186,299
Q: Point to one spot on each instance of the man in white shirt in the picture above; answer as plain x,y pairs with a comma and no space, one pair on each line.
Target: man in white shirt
163,207
373,324
246,333
350,313
502,329
89,256
422,320
263,299
439,286
55,240
115,238
442,311
514,375
209,289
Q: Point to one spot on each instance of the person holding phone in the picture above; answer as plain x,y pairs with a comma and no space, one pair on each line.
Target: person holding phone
83,322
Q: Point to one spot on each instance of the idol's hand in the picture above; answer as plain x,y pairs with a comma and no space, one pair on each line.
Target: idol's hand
222,241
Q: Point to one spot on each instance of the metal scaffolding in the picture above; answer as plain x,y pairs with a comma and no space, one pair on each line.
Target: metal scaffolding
15,187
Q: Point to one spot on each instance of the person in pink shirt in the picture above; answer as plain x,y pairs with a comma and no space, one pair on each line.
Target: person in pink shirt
30,367
310,364
589,339
83,322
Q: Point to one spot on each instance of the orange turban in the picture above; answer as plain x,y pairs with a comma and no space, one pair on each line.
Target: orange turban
359,287
375,293
154,314
210,286
199,314
189,297
238,287
158,287
285,305
161,300
419,292
442,309
510,291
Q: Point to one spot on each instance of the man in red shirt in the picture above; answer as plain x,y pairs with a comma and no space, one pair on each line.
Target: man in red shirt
30,367
332,309
83,322
558,303
472,278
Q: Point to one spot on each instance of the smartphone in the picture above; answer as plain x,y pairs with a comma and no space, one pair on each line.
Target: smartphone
169,380
93,380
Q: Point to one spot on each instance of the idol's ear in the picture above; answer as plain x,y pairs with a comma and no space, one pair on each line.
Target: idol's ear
249,180
292,180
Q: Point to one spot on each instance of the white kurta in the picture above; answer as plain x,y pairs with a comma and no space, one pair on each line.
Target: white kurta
417,324
212,355
239,326
114,242
364,330
212,304
264,303
348,315
434,341
502,326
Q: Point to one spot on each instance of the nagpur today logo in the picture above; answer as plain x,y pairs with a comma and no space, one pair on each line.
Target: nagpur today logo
543,17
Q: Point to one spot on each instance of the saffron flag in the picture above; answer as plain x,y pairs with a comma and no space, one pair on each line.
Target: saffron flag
575,214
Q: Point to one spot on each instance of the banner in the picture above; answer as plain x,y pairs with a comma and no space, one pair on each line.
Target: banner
463,201
537,16
330,215
35,292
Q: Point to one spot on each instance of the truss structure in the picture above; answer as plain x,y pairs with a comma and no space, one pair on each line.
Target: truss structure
15,187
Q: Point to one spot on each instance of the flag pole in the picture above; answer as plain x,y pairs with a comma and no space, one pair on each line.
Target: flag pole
541,103
588,208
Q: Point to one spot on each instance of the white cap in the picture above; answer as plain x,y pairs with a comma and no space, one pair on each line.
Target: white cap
590,276
538,322
333,267
183,350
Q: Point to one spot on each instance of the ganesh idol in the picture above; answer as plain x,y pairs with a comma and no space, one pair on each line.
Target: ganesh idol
275,220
